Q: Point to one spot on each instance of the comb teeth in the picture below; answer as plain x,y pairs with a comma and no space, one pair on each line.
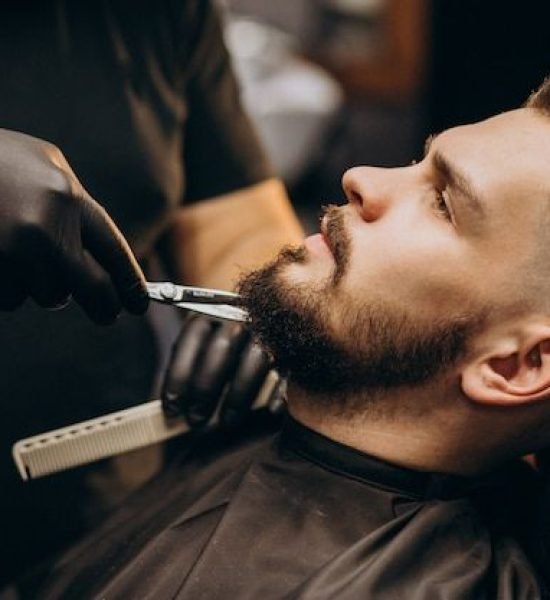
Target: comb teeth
95,439
109,435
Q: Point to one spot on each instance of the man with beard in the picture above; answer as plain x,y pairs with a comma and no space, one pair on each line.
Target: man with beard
415,334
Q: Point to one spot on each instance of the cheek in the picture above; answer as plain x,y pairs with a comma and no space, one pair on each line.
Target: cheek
422,269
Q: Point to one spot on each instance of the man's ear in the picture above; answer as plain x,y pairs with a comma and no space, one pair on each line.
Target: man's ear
516,370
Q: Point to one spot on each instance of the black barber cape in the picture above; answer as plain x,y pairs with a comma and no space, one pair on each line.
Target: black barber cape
296,515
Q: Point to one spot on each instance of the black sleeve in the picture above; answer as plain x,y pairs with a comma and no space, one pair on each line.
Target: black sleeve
221,149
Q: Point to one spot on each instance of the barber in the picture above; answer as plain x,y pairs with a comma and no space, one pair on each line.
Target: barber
142,102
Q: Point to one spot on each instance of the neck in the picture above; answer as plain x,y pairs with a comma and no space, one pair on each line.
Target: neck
432,440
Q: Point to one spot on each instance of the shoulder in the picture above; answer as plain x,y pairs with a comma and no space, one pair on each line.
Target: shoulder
165,25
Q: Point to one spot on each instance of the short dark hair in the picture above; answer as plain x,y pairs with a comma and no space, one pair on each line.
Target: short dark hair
540,98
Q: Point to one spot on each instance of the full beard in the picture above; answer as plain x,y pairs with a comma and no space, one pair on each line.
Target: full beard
377,346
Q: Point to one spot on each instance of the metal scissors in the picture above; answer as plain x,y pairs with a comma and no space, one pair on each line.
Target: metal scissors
216,303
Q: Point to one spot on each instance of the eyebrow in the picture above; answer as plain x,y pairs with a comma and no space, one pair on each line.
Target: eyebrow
455,178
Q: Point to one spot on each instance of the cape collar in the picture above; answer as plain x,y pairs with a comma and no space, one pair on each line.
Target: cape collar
355,464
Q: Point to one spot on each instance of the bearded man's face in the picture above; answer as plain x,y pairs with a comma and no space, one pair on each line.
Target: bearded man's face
393,289
327,342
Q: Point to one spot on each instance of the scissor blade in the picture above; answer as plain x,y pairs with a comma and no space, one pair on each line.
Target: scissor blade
223,311
197,300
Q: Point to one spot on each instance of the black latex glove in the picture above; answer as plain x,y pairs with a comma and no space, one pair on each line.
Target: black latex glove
210,356
56,241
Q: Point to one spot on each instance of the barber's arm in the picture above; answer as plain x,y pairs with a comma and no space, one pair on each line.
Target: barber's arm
56,241
212,243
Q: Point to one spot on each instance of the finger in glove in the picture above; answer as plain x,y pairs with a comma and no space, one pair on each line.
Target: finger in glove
93,290
40,262
186,352
245,385
103,240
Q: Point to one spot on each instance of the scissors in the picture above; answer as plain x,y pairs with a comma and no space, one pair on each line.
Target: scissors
216,303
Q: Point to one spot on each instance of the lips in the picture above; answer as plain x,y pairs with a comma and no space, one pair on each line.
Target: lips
317,245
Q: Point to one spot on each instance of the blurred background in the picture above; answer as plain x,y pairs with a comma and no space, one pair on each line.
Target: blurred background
335,83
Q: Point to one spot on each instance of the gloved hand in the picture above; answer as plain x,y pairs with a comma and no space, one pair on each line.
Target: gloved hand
55,240
210,356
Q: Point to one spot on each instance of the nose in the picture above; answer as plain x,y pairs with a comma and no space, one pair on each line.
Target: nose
367,188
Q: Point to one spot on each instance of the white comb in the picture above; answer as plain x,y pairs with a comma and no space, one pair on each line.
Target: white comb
106,436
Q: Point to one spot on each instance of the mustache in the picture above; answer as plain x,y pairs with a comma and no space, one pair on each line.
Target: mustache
337,238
